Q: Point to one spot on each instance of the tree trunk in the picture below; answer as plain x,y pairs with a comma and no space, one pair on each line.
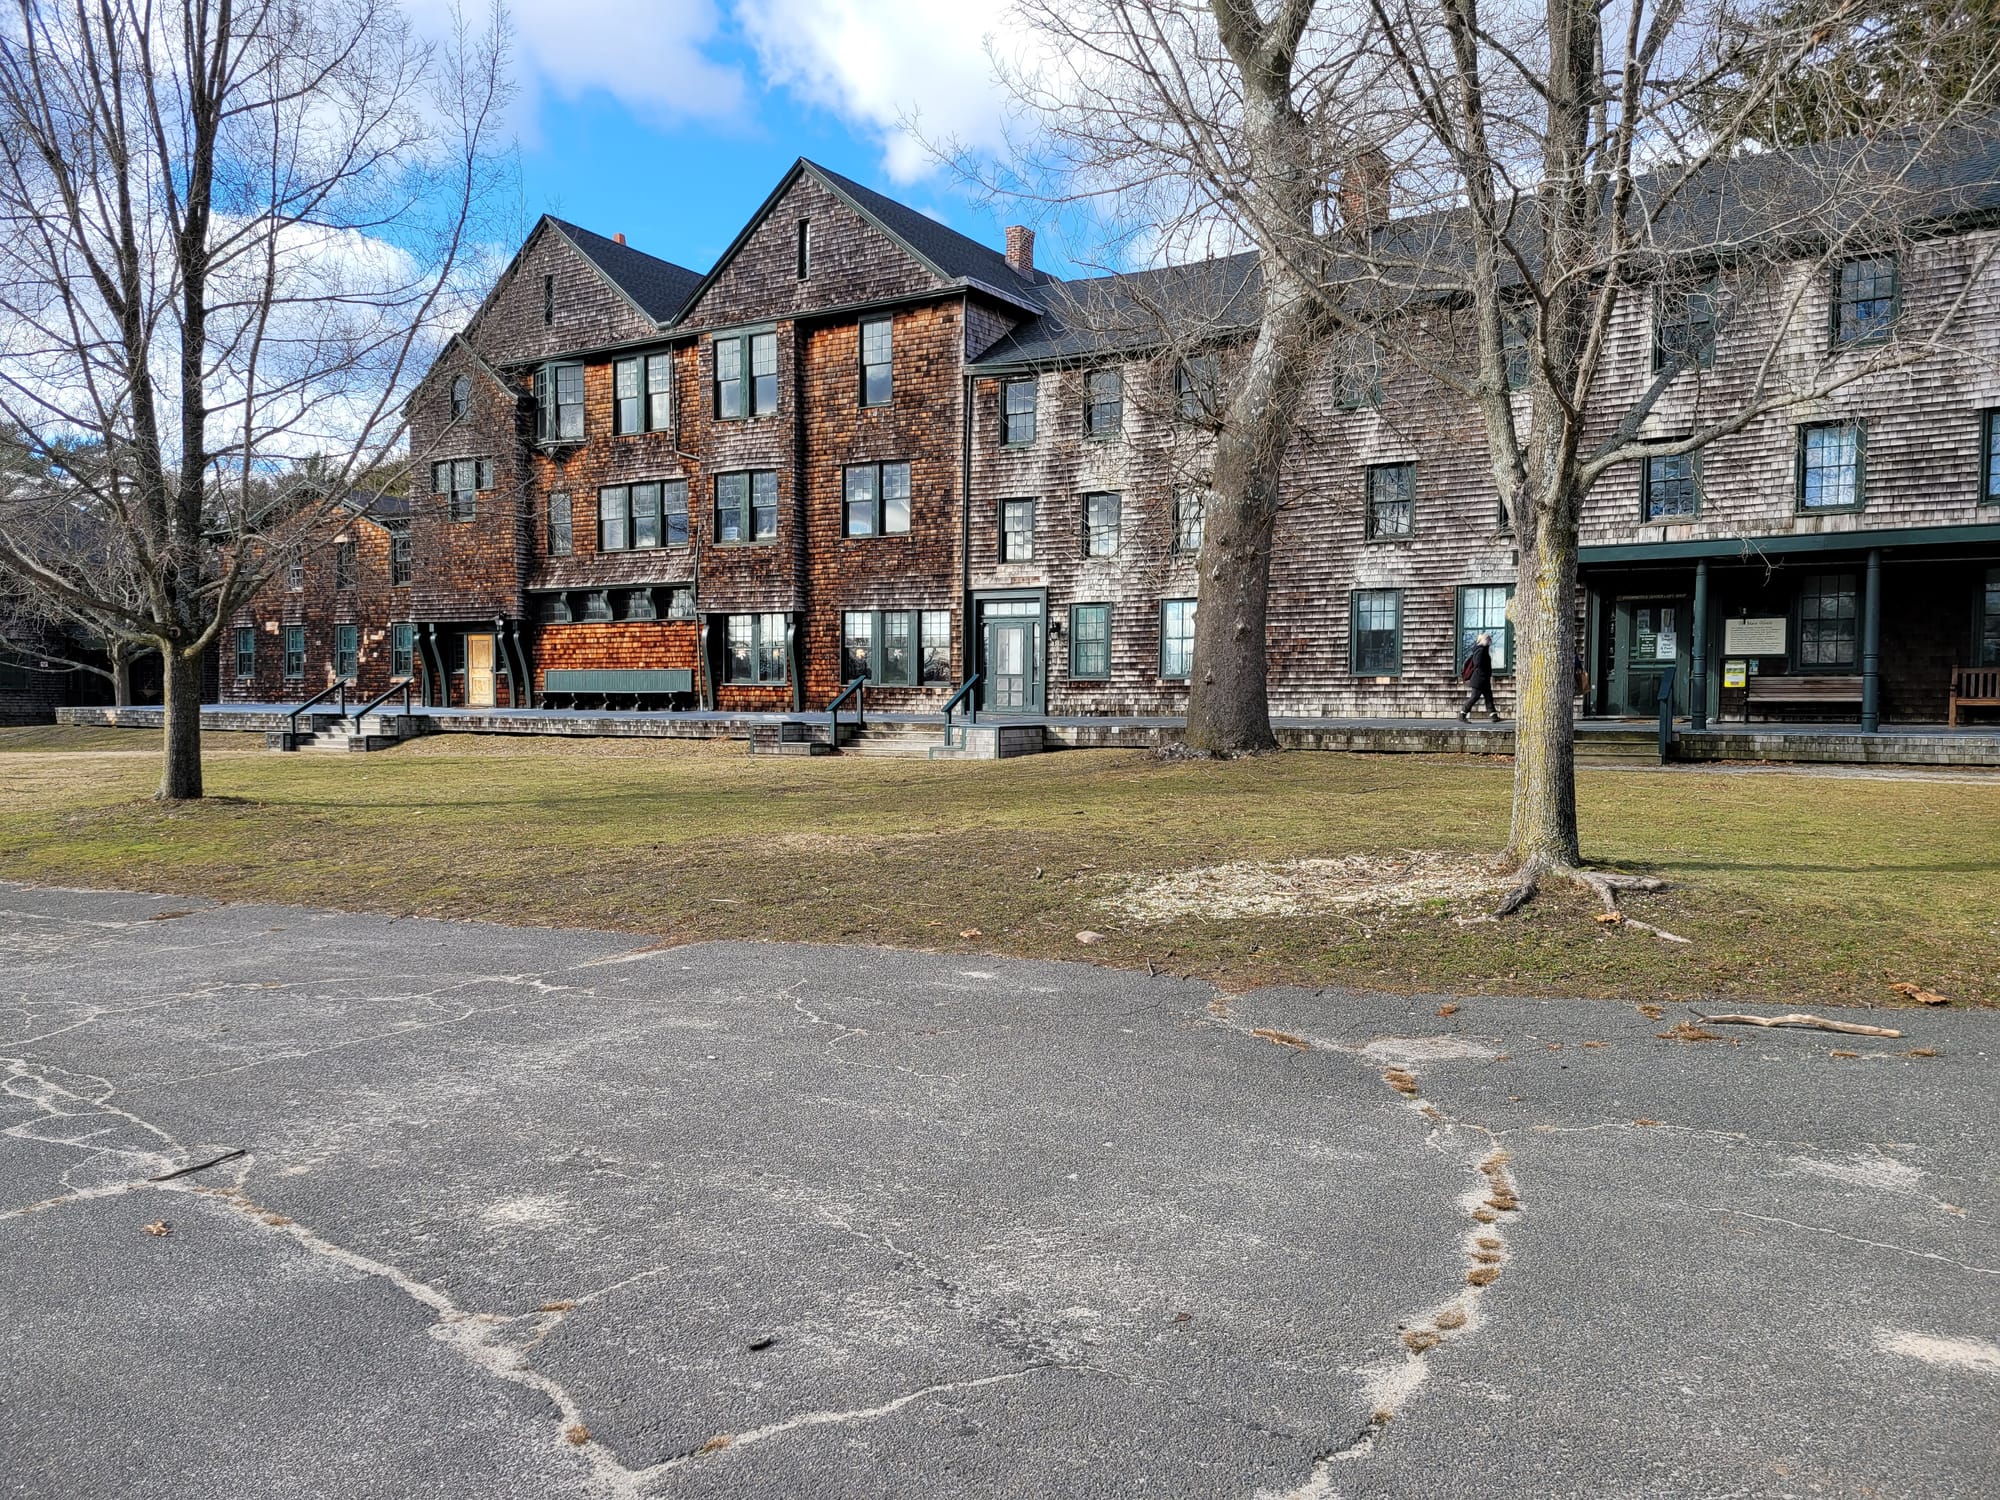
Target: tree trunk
1544,834
180,776
1229,710
121,674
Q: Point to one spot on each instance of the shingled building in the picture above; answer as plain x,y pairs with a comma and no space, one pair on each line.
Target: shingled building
864,445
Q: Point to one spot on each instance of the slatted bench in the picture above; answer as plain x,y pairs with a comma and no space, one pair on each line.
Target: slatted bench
619,687
1805,692
1973,687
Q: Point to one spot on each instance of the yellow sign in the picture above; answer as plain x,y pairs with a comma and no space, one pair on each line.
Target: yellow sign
1735,674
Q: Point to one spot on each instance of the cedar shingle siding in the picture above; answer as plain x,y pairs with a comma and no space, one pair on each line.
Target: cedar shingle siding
963,321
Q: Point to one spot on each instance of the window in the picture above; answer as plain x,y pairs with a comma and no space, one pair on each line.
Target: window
637,604
857,645
746,506
1378,633
295,651
1357,378
1017,531
402,558
1684,327
1090,641
555,610
1482,610
627,403
346,650
461,398
1198,389
559,403
1830,466
1989,621
548,300
1190,514
1104,403
1989,477
934,639
746,375
561,520
1864,299
13,677
1100,525
805,249
246,652
1672,488
1176,639
346,565
680,602
754,649
613,519
1516,346
877,361
628,515
295,573
459,480
674,512
1827,621
1017,411
1392,492
659,393
403,650
878,500
597,606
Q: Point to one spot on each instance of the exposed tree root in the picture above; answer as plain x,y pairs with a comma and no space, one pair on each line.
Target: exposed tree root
1604,884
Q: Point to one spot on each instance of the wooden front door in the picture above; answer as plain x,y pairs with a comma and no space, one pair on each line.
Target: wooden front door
478,671
1648,636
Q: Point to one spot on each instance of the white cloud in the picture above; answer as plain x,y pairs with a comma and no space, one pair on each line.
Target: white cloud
650,55
883,63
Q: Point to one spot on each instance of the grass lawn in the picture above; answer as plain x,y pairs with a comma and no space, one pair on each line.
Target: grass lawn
1791,888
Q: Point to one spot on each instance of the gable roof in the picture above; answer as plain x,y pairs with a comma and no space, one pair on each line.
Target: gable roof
944,252
1132,311
659,288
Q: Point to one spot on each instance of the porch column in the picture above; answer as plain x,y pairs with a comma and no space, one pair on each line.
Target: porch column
1871,645
1698,675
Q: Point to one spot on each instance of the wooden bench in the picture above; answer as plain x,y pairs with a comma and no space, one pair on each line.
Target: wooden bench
1973,687
1809,692
613,686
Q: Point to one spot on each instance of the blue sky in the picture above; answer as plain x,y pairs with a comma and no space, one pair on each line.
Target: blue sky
670,120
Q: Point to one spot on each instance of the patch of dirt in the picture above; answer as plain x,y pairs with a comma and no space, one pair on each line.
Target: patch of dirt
1301,887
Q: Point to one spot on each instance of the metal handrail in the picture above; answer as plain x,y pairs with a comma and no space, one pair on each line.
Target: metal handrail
971,714
852,690
403,686
339,686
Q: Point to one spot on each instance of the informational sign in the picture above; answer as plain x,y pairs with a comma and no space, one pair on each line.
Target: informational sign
1735,674
1664,645
1758,635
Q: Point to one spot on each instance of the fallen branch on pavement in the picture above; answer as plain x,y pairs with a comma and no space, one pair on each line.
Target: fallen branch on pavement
1813,1023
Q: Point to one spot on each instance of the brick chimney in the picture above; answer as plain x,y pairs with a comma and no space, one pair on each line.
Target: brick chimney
618,238
1364,192
1021,250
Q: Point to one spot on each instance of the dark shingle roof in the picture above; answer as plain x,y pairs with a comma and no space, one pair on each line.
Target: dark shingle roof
956,256
1919,178
659,287
1133,310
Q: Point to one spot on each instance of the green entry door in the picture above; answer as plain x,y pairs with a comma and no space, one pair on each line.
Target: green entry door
1011,656
1649,635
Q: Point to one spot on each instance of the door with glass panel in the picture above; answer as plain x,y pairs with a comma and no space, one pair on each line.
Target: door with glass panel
1649,636
1011,665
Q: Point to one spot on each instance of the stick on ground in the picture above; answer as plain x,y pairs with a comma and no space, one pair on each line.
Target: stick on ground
1814,1023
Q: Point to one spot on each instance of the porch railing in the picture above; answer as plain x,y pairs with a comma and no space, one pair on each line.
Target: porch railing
852,690
391,691
330,690
966,689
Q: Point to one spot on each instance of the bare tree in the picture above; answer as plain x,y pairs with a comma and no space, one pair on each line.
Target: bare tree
1561,177
231,232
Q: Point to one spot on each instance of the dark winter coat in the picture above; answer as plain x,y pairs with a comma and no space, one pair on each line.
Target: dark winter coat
1478,670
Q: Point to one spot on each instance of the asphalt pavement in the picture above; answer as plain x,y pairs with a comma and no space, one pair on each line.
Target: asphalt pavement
313,1204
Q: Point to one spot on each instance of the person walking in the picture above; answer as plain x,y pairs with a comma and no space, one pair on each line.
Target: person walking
1477,674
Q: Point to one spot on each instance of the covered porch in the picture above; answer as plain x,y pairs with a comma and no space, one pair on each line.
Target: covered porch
1829,633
